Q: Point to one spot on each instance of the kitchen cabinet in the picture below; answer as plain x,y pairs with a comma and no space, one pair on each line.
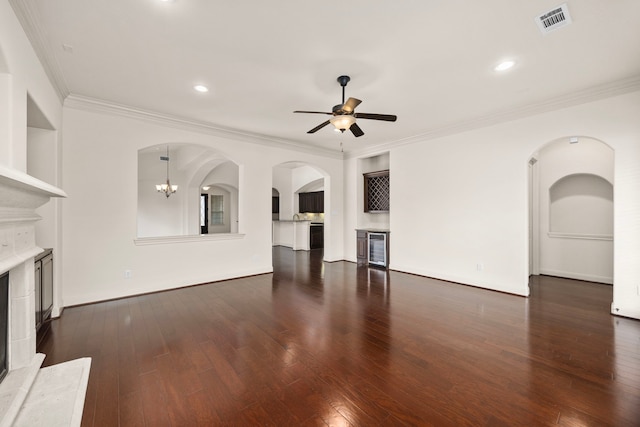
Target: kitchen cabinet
43,291
312,202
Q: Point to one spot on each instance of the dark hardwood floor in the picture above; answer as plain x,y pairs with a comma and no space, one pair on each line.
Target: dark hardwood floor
334,344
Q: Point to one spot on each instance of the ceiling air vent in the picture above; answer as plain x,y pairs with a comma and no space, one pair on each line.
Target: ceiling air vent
554,19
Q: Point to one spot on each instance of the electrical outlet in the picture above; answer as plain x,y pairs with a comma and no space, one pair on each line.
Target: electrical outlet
127,274
479,266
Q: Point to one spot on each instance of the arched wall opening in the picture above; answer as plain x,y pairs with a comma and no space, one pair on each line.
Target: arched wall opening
571,210
192,168
290,179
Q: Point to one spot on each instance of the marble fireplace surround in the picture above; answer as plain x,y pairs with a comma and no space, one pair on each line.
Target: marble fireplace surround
24,385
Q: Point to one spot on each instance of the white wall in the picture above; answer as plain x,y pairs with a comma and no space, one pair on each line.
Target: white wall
282,182
22,76
303,175
576,242
42,163
100,226
459,203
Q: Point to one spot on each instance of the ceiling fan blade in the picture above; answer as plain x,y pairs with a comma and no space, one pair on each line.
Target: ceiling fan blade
385,117
355,130
314,112
320,126
350,105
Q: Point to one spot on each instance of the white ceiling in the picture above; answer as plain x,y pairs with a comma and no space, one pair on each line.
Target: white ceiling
429,62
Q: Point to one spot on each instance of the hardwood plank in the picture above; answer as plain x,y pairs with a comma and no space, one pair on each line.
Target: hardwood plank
335,344
154,400
131,412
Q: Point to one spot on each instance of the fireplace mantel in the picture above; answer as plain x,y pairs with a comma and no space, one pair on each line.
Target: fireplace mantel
19,190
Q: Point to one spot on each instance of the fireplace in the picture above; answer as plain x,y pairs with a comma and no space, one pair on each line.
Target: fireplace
20,196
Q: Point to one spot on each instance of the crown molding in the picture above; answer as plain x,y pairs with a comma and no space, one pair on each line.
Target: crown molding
84,103
28,17
595,93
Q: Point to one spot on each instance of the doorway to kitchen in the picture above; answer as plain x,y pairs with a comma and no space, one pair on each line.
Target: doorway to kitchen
303,197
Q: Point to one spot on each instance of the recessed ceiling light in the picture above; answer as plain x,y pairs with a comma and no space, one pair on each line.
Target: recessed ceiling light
505,65
201,88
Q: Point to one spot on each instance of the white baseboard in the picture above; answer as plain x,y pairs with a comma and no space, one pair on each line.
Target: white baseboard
577,276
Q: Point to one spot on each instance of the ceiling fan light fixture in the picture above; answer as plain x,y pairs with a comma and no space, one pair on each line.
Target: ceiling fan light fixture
342,122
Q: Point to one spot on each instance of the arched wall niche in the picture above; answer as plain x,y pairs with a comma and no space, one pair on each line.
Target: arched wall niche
571,209
581,205
191,167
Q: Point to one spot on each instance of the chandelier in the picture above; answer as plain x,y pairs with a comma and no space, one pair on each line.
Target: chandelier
166,188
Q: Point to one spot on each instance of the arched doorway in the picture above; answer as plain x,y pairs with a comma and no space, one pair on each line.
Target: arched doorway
289,181
571,210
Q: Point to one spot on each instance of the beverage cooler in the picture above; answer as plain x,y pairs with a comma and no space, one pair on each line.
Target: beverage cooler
378,249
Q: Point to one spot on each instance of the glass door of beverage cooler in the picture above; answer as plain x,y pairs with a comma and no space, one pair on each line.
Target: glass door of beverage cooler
378,249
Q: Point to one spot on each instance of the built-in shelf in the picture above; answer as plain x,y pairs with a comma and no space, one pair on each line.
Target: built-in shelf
376,191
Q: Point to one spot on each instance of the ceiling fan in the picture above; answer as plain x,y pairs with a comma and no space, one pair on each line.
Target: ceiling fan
344,115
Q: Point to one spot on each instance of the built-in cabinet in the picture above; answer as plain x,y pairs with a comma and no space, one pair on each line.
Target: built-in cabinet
43,291
361,236
312,202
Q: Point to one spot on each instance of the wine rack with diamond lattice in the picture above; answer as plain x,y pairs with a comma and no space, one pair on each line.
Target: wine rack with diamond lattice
376,191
